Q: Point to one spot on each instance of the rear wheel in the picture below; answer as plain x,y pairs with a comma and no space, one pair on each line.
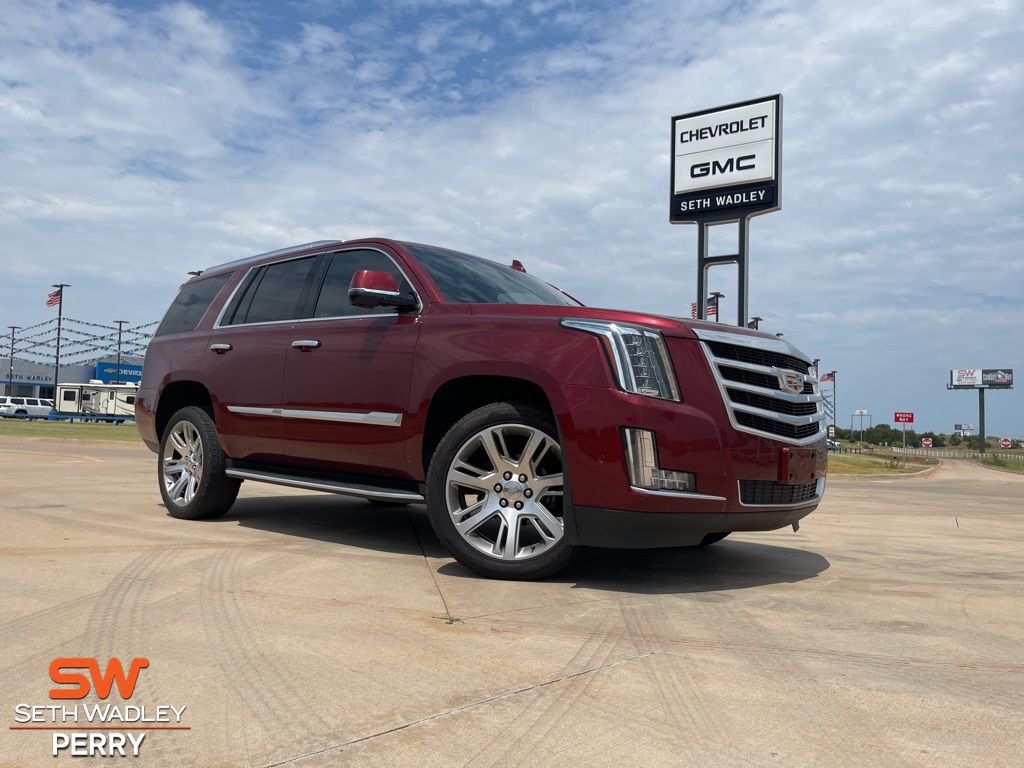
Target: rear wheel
192,479
495,492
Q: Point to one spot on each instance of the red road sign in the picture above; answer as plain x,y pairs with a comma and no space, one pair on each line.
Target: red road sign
926,442
1005,443
903,417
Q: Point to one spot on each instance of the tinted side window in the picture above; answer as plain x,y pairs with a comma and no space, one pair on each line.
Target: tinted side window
191,304
463,278
276,293
333,299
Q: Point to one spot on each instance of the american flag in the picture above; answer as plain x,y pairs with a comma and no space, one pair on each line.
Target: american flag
828,377
54,298
712,307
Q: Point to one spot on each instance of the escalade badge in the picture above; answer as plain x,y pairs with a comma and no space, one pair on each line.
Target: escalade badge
791,381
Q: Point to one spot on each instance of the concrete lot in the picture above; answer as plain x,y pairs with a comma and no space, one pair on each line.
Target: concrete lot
309,630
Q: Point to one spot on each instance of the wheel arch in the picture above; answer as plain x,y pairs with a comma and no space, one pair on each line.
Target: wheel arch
458,397
178,395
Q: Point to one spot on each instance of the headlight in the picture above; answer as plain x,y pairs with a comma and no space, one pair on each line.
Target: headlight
638,356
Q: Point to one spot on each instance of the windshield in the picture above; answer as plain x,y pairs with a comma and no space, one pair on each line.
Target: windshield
466,279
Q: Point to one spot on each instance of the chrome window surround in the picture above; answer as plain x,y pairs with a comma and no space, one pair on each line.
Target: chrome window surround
245,281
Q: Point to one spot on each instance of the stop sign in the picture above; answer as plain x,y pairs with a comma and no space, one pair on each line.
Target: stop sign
926,442
1004,443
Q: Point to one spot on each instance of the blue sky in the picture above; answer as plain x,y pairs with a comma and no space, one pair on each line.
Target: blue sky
142,140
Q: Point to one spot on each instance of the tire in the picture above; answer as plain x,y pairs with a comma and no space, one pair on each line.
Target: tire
191,468
712,538
495,492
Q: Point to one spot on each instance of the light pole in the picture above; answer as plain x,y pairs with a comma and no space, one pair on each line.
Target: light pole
117,374
59,296
10,373
716,295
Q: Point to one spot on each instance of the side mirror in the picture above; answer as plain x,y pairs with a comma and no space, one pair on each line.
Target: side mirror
371,289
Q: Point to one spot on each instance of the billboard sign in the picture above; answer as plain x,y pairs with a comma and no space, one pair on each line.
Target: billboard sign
725,162
997,379
976,378
963,427
903,417
965,378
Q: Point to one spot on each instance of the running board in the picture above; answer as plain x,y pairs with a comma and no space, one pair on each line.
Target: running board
330,486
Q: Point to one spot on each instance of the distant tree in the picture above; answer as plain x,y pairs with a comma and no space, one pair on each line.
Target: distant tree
956,440
881,434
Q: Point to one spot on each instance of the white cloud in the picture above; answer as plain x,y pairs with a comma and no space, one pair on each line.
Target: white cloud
139,144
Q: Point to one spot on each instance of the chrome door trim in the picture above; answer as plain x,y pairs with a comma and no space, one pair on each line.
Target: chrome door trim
373,418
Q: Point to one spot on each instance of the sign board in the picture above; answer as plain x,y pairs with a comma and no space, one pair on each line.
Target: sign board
926,442
963,427
994,378
977,378
107,372
861,413
1005,443
725,162
831,431
903,417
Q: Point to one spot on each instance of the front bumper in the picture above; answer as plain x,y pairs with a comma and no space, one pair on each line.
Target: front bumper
740,481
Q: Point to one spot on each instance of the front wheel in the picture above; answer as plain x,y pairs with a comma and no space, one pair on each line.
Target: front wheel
495,492
192,479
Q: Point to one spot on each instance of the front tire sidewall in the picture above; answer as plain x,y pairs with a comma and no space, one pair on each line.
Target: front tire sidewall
215,492
554,558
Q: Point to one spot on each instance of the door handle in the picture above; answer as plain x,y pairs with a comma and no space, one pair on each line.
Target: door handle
220,349
305,345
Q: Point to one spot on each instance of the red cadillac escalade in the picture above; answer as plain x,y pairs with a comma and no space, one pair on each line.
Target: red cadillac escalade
528,423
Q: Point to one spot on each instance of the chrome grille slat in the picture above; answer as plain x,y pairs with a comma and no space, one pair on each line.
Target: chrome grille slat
778,394
748,375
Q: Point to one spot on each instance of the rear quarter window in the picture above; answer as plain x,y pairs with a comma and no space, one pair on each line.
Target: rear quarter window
191,304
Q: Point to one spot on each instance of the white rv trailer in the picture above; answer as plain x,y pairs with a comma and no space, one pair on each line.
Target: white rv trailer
97,399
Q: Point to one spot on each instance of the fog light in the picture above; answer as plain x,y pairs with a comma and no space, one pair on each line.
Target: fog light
641,450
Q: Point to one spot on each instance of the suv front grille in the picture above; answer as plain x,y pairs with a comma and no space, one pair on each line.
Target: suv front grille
761,357
768,492
750,378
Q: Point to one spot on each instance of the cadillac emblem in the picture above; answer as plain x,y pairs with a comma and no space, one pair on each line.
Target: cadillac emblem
791,381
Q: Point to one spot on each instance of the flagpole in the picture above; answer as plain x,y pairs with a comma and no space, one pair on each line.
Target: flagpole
60,315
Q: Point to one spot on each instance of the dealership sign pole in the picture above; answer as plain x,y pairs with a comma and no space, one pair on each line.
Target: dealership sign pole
725,169
981,379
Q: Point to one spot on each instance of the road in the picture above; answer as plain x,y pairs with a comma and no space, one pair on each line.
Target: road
310,630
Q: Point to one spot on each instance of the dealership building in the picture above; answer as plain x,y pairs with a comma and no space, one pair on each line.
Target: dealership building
29,379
